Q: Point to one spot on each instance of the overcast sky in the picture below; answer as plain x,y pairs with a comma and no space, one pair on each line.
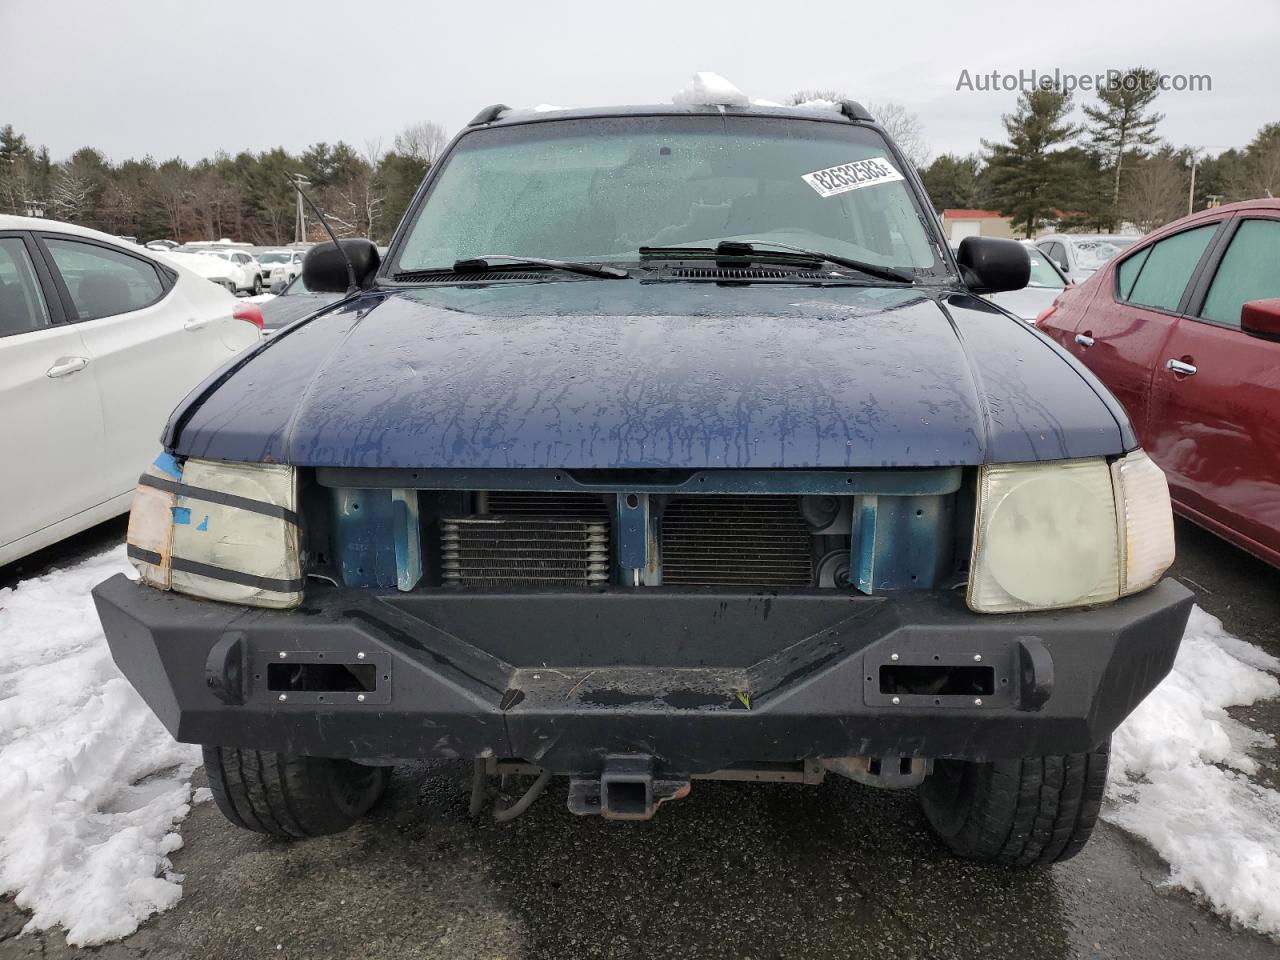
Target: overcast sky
137,77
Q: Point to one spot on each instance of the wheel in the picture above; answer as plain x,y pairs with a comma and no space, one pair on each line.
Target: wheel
257,285
1017,812
288,796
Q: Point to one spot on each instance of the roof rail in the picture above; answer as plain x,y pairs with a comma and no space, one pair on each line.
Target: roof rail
856,111
489,114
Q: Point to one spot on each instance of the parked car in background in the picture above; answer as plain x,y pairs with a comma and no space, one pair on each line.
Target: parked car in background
214,269
162,246
713,467
245,273
292,302
94,334
1078,255
280,265
1185,330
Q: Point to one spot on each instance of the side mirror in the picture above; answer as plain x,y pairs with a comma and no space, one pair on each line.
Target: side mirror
325,271
993,265
277,287
1261,318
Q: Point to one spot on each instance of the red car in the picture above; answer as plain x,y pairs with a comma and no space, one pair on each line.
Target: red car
1185,330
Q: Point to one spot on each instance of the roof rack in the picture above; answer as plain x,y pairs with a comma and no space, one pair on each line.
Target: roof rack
856,111
488,114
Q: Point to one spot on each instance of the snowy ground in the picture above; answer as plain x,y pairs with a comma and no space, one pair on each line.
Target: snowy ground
94,788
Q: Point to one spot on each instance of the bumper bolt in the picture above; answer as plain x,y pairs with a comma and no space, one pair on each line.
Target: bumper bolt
977,658
360,655
893,656
284,697
359,698
283,655
895,701
978,702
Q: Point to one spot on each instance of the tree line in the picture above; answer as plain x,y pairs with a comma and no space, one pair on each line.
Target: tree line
1111,169
1107,171
246,196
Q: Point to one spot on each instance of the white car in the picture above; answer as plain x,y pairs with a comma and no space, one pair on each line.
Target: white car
281,265
245,273
1078,255
214,269
99,340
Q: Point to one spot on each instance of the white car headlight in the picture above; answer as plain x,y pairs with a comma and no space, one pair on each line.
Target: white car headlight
223,531
1068,533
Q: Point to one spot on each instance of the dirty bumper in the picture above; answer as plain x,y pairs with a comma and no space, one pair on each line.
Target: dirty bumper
697,681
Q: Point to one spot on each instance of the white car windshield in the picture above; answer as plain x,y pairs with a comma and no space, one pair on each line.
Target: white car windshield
1092,254
601,188
273,258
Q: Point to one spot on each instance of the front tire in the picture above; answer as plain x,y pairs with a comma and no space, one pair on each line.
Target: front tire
257,286
291,797
1017,813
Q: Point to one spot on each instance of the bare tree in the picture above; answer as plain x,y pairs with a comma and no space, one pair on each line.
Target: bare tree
899,122
905,129
1157,191
171,193
71,193
422,141
807,96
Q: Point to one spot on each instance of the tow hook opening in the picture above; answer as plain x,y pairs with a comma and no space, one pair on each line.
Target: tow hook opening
938,681
322,677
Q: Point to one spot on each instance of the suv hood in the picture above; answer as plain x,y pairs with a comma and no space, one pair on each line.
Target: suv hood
625,374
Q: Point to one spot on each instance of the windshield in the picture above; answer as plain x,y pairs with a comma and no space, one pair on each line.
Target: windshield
1092,254
1042,273
273,257
602,188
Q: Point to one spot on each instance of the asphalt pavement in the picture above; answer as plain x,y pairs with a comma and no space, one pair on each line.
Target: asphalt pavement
735,871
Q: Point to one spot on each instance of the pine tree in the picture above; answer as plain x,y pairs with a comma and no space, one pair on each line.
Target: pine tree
952,181
1124,123
1030,181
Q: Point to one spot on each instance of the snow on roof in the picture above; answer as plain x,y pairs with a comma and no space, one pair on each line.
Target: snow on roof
515,112
711,89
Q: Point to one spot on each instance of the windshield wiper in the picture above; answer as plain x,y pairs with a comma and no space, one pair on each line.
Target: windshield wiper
741,250
483,264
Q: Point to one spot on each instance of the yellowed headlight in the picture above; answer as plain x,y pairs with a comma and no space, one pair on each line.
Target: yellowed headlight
1045,537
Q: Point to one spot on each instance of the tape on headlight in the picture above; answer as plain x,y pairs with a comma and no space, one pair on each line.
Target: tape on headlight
1146,522
224,531
1045,537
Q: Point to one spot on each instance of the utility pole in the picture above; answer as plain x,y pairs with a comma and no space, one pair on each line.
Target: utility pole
300,223
1191,193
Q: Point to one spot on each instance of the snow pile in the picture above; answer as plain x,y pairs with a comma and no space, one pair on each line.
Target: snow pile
92,784
821,103
710,89
1180,765
512,113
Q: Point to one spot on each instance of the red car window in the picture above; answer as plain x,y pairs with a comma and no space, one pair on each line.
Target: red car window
1250,270
1163,276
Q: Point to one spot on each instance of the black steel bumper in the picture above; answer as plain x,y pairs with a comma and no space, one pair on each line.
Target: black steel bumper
696,680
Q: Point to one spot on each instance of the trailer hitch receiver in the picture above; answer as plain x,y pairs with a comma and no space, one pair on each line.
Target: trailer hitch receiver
626,790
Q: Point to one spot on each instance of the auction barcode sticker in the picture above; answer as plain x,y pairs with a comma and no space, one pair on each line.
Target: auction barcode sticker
852,176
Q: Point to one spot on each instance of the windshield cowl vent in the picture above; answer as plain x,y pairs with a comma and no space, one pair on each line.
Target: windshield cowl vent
449,276
745,273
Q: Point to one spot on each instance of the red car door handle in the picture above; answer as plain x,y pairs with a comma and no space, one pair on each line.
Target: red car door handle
1182,369
1084,340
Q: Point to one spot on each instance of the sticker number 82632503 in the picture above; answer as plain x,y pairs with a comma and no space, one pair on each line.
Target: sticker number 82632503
852,176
